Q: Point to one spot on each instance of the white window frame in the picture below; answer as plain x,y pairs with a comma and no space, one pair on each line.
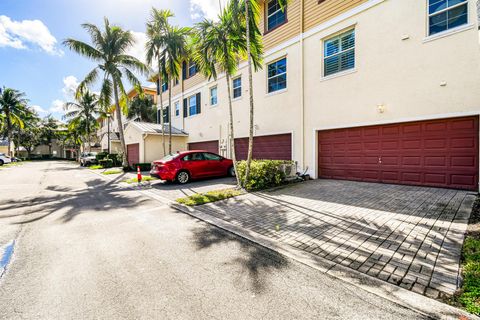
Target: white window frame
278,75
177,108
190,106
338,35
216,96
274,13
448,30
233,88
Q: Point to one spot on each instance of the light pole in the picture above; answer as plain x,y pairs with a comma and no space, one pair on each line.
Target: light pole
108,129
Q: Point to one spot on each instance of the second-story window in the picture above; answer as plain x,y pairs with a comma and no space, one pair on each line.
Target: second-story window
177,109
446,14
213,96
339,53
277,75
164,86
237,87
276,16
192,69
166,112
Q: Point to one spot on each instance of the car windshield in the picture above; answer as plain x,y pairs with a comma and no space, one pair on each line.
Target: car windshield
90,154
169,157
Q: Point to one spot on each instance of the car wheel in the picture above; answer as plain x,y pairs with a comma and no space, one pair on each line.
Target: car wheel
1,162
231,172
183,177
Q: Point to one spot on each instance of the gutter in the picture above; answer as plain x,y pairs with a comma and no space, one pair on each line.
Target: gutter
302,89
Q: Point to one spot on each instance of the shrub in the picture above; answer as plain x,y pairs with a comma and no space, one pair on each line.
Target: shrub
101,156
207,197
263,173
106,163
143,166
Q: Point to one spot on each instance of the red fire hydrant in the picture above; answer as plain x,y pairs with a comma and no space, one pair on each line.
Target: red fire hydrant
139,174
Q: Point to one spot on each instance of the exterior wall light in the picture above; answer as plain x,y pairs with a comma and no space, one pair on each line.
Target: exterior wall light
381,108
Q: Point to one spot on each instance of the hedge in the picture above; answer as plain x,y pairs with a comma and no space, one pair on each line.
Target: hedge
263,173
106,163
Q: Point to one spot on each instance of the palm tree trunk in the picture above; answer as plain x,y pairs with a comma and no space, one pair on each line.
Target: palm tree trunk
250,91
161,106
170,83
232,134
89,137
9,132
120,125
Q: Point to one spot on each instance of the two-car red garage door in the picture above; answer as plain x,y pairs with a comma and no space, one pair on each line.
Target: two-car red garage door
441,153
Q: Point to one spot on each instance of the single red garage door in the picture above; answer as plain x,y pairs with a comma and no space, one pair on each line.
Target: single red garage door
210,146
273,147
133,153
440,153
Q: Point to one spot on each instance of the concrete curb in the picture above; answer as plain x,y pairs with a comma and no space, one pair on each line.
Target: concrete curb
406,298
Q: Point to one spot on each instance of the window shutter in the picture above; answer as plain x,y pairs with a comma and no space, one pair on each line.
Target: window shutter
159,114
199,103
184,70
185,108
158,86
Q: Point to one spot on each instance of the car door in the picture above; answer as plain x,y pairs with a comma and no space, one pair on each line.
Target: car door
196,164
214,163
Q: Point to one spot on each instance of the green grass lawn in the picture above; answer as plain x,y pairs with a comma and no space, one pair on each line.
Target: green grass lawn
135,180
95,167
468,297
210,196
11,164
113,171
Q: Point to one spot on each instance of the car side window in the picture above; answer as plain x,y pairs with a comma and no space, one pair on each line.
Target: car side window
193,157
211,156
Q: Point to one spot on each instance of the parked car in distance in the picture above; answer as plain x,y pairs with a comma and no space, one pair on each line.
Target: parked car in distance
88,158
195,164
4,159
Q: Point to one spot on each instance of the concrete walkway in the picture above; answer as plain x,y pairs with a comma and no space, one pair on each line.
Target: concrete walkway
409,236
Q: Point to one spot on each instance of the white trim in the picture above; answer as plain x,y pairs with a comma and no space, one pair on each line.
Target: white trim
382,122
274,93
338,74
448,32
277,75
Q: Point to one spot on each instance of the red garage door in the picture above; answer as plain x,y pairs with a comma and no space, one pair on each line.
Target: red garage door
133,153
441,153
210,146
274,147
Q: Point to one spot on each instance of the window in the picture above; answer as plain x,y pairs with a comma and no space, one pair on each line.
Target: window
237,87
446,14
192,69
166,112
275,15
164,86
213,96
193,157
277,75
177,109
192,105
339,53
211,156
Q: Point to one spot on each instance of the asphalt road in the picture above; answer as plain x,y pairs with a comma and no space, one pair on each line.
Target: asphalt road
86,249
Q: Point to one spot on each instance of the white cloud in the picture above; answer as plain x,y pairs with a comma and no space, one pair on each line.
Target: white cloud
208,9
39,109
16,34
57,106
70,85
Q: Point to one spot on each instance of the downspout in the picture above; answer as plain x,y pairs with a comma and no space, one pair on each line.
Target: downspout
302,88
145,135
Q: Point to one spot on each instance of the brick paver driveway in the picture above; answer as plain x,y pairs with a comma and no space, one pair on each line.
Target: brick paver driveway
408,236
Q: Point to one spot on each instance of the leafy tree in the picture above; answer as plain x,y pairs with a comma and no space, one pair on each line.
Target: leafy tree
48,132
13,106
109,50
218,46
84,112
155,47
141,108
28,136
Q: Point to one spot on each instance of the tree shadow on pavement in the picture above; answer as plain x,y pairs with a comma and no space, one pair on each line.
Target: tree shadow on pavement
69,202
256,261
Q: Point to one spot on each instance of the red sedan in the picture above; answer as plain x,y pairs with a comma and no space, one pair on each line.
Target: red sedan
194,164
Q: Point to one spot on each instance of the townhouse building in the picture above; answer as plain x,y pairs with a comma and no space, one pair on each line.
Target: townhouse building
369,90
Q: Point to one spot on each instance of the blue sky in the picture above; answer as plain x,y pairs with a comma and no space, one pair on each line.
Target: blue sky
33,60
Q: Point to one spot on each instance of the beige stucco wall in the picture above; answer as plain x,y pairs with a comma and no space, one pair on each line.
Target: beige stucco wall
4,149
154,149
403,75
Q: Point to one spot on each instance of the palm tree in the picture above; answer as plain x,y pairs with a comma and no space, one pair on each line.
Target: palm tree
155,48
13,106
219,45
85,111
109,52
141,108
253,39
48,131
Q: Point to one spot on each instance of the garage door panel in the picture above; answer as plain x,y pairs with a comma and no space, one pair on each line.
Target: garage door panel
133,153
272,147
441,153
210,146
